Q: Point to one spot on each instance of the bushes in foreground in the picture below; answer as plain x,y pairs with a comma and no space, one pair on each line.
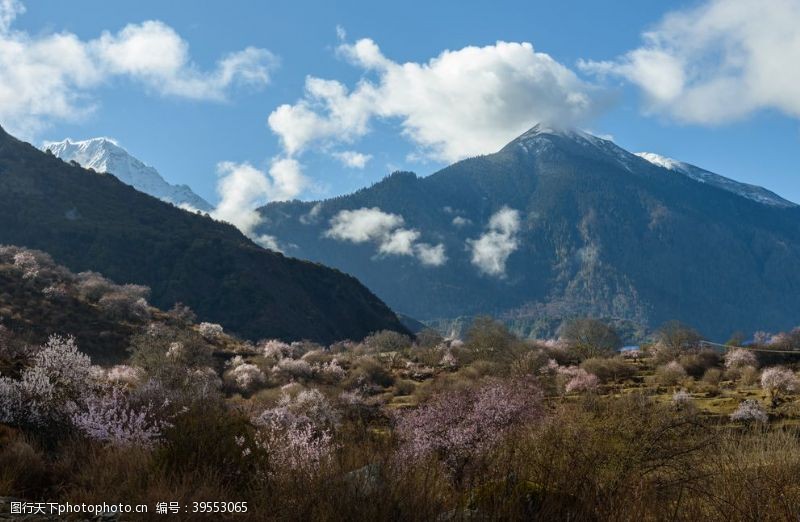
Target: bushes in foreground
384,430
595,459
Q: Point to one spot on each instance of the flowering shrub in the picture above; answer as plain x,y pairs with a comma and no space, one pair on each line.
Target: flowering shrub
277,349
55,291
572,378
295,447
582,381
294,368
739,358
306,407
778,381
210,330
60,359
244,377
27,263
39,400
297,433
330,371
749,410
112,418
47,390
459,426
124,374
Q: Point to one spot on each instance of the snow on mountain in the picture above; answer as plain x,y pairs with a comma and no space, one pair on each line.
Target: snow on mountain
105,155
539,139
745,190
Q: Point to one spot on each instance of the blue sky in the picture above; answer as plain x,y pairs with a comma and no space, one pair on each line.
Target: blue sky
737,120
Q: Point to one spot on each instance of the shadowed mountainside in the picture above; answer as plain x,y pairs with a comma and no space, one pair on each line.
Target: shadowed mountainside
90,221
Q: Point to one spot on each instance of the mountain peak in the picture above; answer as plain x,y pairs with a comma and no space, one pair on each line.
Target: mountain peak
546,131
555,130
105,154
544,137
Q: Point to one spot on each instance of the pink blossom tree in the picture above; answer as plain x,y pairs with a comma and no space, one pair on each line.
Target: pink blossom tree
210,331
459,427
739,358
297,434
749,411
111,417
582,381
47,391
243,376
778,381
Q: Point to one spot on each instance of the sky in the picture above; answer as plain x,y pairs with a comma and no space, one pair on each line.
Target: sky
248,102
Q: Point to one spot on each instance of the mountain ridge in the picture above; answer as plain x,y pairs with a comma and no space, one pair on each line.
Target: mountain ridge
601,232
754,192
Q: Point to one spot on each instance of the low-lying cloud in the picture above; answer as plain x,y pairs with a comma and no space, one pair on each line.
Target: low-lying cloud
492,249
242,188
386,230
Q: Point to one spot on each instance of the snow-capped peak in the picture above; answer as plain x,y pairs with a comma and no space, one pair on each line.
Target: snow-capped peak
752,192
538,139
106,155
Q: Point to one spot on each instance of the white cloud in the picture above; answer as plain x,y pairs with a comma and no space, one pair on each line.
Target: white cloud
269,242
717,62
363,224
431,255
352,159
507,87
286,179
312,216
188,207
243,188
51,76
459,221
400,242
9,10
153,53
386,230
492,249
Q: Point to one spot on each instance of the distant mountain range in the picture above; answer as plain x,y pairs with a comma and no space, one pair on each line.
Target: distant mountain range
91,221
562,223
105,155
